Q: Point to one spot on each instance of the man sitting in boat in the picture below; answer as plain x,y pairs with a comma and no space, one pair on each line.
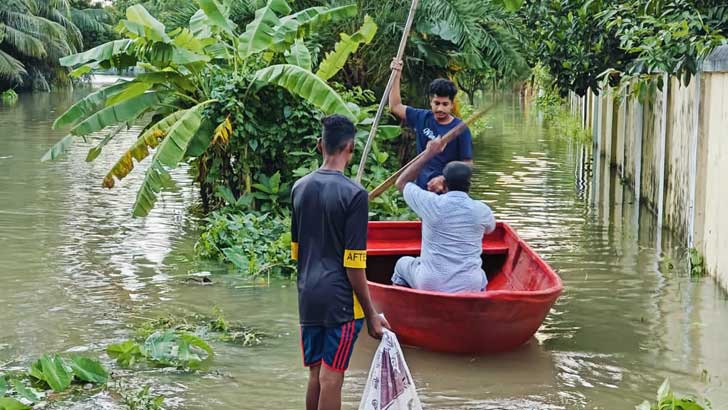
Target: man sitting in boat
431,124
453,225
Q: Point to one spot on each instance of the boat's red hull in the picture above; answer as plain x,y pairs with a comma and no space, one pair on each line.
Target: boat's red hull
521,290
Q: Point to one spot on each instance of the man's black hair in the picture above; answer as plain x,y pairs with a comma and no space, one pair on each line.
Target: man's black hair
443,87
338,131
457,176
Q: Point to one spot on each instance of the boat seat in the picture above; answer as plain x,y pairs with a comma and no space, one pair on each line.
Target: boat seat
377,247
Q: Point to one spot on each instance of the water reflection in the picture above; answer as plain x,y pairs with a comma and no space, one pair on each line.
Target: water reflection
77,270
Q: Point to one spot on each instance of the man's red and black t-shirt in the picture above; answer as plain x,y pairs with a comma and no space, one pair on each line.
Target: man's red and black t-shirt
328,235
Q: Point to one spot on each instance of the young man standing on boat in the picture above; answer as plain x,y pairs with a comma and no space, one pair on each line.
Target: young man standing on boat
329,242
453,225
431,124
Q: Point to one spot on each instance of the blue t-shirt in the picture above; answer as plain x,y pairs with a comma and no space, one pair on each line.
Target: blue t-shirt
427,128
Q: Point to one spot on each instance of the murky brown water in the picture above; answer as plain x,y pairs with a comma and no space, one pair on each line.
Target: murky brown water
77,270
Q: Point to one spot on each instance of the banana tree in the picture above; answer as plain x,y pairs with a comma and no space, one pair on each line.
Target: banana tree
173,95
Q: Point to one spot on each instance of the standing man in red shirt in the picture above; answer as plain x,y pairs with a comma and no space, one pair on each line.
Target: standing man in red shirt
329,242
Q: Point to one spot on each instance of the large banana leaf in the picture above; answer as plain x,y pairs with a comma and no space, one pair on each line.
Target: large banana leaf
169,153
100,53
306,85
124,111
59,148
140,149
299,23
335,61
299,55
200,24
89,104
216,14
135,89
259,33
151,28
167,77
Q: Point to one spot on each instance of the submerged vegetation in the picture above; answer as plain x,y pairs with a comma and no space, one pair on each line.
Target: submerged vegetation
667,400
50,378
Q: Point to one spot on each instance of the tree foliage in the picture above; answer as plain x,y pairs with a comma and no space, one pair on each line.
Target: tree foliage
35,34
581,41
201,96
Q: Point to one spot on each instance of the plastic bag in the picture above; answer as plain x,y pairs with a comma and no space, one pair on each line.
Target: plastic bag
390,385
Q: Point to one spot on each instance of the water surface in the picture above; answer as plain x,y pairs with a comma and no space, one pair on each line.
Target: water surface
78,271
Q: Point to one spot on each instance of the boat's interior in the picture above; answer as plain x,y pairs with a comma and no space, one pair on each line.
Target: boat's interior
505,263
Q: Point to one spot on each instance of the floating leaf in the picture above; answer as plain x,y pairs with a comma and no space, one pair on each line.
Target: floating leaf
25,392
125,353
55,373
7,403
89,370
238,258
3,386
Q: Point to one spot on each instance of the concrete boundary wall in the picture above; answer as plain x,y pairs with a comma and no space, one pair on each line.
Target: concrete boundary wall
673,151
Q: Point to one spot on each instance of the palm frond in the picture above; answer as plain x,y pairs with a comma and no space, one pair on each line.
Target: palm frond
10,68
73,32
32,24
24,43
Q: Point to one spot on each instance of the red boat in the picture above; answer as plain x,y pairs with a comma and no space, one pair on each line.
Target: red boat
521,290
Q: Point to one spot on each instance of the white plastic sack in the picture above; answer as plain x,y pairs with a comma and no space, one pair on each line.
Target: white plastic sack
390,385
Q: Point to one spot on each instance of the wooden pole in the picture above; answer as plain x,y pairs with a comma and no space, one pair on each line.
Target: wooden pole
387,89
451,135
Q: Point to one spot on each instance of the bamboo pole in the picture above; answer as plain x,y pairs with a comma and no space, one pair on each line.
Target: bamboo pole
387,89
451,135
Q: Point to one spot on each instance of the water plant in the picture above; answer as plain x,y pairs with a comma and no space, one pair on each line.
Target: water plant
697,263
9,97
166,348
667,400
142,399
51,373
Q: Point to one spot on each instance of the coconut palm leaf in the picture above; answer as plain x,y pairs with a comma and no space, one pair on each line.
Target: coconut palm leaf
306,85
10,68
73,33
24,43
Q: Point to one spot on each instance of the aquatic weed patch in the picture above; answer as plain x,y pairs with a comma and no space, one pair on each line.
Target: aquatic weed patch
51,378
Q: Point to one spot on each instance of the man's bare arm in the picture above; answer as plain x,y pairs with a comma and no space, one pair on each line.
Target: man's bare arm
395,98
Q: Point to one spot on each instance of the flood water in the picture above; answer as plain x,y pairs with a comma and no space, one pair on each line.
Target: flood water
77,272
